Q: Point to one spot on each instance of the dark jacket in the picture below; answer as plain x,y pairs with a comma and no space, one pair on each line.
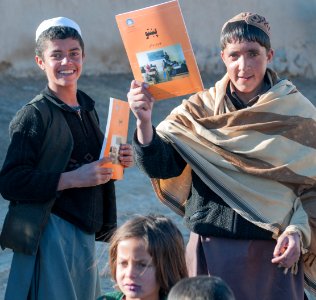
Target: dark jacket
205,212
28,213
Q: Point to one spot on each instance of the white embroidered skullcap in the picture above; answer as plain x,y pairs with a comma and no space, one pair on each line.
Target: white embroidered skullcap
59,21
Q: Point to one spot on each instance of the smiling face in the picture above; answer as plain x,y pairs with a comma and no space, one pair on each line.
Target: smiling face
246,64
62,62
135,272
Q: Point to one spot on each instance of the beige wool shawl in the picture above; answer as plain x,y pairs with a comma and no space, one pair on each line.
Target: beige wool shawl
261,160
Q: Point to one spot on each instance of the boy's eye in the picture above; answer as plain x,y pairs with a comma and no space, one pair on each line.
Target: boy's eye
56,55
234,56
74,54
253,53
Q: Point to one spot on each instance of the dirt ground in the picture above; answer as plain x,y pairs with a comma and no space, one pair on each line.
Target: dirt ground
134,193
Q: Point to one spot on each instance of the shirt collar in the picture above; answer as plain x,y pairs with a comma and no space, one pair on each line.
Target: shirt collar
238,103
85,102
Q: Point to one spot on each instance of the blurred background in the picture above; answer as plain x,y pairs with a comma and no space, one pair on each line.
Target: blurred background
292,22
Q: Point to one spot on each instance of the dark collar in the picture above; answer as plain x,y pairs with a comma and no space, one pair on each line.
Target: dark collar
85,102
238,103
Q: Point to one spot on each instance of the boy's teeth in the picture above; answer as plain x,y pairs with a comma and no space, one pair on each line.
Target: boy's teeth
67,72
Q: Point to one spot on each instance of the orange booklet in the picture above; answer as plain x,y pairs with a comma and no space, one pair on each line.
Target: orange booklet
115,135
159,50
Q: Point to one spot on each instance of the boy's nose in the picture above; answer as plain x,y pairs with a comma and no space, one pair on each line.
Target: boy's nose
243,63
65,59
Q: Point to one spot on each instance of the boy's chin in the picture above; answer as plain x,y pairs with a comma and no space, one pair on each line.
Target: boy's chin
247,87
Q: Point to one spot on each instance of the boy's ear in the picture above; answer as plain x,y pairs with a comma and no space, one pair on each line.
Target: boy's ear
40,62
270,55
222,56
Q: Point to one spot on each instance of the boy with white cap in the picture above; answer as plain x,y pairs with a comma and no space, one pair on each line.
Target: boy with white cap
61,197
238,161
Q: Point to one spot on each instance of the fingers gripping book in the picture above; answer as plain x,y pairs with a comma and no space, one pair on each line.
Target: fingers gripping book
115,135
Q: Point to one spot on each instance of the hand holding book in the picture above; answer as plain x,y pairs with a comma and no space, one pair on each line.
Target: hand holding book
114,144
141,103
87,175
126,155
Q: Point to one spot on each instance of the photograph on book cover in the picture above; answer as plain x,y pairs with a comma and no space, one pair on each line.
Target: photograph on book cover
159,50
162,64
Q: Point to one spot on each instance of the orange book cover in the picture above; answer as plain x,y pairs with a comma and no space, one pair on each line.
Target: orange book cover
115,135
159,50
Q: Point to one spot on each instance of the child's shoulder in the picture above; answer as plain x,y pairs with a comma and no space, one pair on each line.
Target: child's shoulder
112,296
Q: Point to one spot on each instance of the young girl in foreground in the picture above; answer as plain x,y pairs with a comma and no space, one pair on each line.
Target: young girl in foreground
147,257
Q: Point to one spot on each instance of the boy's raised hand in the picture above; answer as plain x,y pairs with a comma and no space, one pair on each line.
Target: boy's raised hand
140,101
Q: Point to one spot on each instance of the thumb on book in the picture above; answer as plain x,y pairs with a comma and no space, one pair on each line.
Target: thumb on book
104,160
136,83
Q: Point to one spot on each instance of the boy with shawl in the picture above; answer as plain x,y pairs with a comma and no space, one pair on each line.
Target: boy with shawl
61,196
238,161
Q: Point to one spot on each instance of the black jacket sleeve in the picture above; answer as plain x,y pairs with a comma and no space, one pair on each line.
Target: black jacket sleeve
158,159
20,179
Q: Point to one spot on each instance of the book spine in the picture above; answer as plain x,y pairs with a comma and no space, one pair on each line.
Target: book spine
107,128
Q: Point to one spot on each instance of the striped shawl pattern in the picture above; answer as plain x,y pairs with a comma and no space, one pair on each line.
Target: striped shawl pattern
261,160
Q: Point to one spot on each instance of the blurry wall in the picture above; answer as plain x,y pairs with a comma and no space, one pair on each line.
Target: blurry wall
292,23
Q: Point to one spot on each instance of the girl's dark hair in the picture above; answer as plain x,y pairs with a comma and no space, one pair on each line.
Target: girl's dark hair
164,243
57,33
240,31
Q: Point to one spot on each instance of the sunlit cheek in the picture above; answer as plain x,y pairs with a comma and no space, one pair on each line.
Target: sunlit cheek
232,65
51,64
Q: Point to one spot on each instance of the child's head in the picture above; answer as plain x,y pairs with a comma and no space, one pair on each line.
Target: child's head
59,28
246,53
60,53
147,256
248,27
202,288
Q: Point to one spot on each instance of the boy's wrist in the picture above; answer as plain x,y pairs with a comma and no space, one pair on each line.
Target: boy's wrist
65,181
143,125
144,132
